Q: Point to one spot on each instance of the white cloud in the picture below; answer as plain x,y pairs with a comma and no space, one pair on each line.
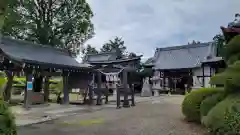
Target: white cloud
147,24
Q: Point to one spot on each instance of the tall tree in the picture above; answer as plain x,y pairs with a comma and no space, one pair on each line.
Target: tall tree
3,6
219,42
89,50
132,55
117,45
9,74
64,24
194,42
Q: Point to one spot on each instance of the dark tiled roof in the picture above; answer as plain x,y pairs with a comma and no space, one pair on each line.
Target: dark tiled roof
101,57
27,52
107,58
213,59
117,60
186,56
149,62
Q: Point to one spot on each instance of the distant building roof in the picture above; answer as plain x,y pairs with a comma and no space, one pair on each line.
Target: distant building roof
101,57
107,58
149,62
31,53
185,56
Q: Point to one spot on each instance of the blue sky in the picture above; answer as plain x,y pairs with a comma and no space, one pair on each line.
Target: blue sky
147,24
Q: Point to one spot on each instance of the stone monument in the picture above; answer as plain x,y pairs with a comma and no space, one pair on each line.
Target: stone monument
146,90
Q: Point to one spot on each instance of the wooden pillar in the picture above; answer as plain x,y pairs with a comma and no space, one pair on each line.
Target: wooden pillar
211,70
203,76
126,89
65,89
106,92
28,90
99,92
90,89
118,97
46,88
164,80
132,95
190,80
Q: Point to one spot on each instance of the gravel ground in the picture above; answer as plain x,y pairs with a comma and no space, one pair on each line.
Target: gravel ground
161,117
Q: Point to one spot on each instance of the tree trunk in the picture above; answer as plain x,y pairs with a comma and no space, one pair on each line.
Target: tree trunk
8,88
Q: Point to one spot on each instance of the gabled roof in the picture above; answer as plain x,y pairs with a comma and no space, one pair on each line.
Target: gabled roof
149,62
101,57
30,53
185,56
213,59
107,58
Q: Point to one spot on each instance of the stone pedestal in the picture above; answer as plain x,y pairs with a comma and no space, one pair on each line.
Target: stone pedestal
114,94
146,90
196,87
114,91
156,93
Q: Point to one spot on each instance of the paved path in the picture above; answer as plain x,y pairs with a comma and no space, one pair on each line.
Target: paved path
159,117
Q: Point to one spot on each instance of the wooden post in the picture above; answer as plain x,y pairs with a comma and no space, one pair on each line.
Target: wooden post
46,88
90,90
28,90
99,92
106,92
132,94
65,89
164,81
126,89
203,76
118,97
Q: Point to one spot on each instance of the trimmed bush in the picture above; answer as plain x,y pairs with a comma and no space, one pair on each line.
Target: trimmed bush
208,103
224,118
192,101
232,49
7,120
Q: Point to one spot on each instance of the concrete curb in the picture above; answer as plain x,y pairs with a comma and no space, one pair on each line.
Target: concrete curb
51,118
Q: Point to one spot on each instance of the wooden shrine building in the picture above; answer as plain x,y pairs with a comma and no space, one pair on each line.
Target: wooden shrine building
185,67
39,62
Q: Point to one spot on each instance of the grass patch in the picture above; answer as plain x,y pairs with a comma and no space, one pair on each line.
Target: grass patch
83,123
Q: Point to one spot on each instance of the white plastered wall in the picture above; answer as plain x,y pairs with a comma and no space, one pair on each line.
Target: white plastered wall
199,72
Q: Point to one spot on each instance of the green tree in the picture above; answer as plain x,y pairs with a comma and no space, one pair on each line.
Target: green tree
115,45
64,24
219,42
7,120
194,42
230,77
89,50
132,55
3,6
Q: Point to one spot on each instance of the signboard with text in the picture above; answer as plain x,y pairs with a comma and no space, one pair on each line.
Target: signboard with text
29,85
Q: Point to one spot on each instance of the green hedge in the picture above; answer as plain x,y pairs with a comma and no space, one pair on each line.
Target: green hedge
7,120
208,103
192,101
224,118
